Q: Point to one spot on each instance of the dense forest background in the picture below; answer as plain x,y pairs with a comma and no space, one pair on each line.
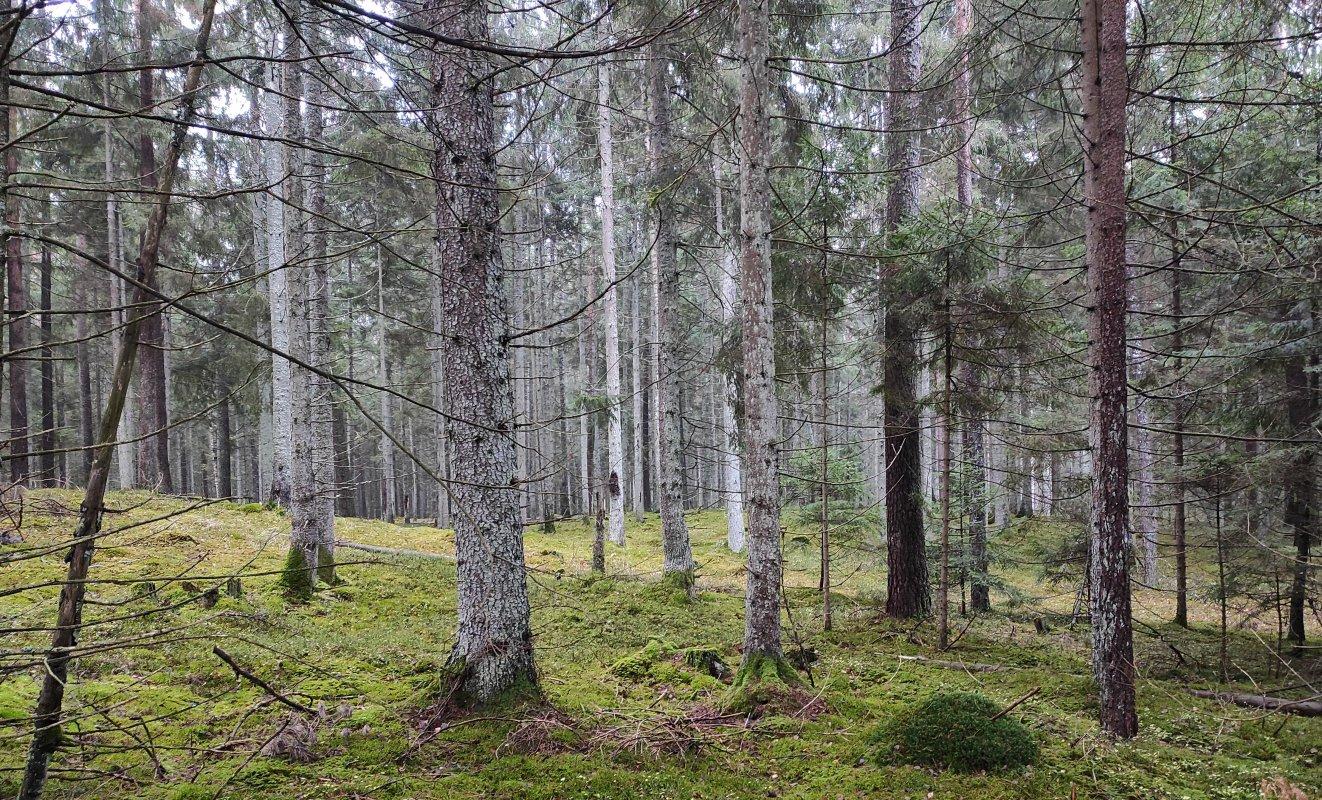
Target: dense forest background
816,334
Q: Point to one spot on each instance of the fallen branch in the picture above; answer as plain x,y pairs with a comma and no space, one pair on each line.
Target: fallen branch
1031,693
1304,708
243,673
959,665
392,551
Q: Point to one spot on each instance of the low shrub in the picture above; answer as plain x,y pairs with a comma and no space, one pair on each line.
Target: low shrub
957,731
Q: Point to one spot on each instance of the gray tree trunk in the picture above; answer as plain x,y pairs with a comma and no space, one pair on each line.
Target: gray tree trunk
761,429
677,556
728,441
614,408
494,645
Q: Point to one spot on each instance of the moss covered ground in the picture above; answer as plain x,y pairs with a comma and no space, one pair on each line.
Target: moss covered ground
634,702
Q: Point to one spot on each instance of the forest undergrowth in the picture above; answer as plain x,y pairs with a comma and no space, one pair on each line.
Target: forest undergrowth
634,674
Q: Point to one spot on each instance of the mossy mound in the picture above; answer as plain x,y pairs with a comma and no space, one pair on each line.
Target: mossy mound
762,681
957,731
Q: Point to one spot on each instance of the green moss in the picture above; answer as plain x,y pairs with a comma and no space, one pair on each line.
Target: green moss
955,730
761,680
679,585
252,508
326,566
638,664
296,579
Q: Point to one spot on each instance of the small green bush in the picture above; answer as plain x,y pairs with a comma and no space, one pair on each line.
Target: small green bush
955,730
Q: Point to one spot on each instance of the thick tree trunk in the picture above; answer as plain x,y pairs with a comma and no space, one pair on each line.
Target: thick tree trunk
46,718
761,427
494,647
309,541
224,442
677,556
908,589
1105,89
614,409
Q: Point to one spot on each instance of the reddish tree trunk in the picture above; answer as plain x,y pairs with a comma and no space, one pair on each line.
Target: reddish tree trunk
1105,90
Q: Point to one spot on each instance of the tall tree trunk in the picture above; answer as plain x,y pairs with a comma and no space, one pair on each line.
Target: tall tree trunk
1105,89
153,422
224,441
275,162
50,702
494,646
307,539
48,476
638,496
1300,516
729,448
320,391
761,427
1145,512
83,298
677,556
908,589
389,498
1178,523
17,307
614,409
439,401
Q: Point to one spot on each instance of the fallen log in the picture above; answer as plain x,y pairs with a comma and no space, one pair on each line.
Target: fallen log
393,551
959,665
1304,708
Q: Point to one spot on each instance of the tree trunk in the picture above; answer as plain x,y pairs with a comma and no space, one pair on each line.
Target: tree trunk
1301,413
611,329
638,496
494,646
1178,522
153,422
48,476
728,447
274,157
908,589
224,442
320,392
17,450
761,427
677,556
1105,88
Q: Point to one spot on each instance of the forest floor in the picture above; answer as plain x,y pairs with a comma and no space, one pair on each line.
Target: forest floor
156,715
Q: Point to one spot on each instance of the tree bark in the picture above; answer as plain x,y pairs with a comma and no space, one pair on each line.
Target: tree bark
677,555
17,302
494,651
1300,516
761,429
1104,86
47,438
729,447
274,160
614,408
908,589
153,421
